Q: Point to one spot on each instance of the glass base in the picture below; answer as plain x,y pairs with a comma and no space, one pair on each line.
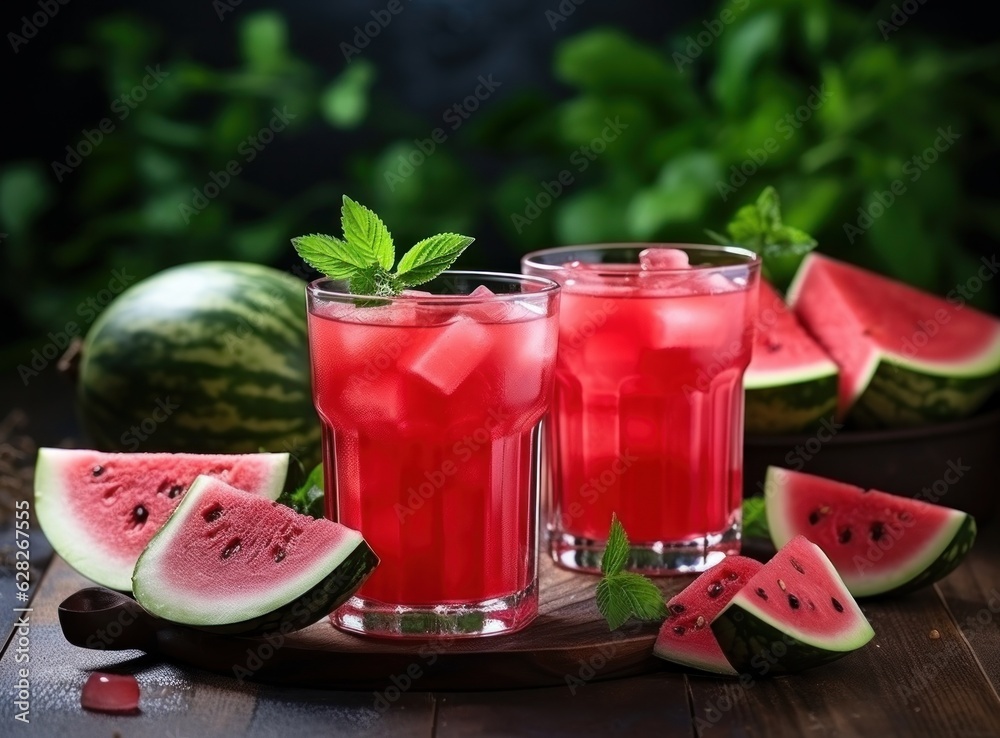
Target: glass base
496,616
660,558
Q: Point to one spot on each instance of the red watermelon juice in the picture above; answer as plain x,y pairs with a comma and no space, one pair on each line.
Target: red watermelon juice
430,406
648,412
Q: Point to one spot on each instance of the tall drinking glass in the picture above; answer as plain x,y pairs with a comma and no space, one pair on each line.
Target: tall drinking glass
430,404
647,420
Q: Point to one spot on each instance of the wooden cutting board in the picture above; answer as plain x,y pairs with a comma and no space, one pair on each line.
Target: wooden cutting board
568,641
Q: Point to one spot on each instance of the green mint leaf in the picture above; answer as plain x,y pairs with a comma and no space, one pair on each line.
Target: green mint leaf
430,257
328,255
308,499
367,234
755,518
612,605
758,227
617,549
622,594
626,595
373,280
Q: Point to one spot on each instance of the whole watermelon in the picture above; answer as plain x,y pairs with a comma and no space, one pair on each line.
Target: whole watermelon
208,357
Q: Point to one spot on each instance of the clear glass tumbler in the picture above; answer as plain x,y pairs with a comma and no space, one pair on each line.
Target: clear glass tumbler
647,420
430,403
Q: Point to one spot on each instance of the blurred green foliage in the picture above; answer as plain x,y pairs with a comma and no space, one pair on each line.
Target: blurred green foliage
130,201
809,95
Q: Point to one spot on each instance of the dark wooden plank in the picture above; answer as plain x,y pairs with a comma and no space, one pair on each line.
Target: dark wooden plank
568,630
180,702
904,683
972,594
653,705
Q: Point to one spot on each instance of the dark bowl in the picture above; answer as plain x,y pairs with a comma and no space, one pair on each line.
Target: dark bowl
952,464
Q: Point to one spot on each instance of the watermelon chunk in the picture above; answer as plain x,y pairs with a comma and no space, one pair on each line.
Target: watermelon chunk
791,383
237,563
906,357
879,542
793,614
99,510
686,637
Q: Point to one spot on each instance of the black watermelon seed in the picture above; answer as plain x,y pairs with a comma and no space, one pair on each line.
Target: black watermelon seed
844,536
140,514
877,530
715,589
97,470
279,555
679,630
761,593
793,601
231,549
797,566
174,491
814,517
213,514
677,609
836,605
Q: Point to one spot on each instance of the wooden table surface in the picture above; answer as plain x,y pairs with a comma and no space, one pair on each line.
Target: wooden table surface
904,683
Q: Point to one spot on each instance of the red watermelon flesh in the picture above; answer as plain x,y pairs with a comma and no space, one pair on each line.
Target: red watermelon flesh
877,541
783,351
99,510
864,319
794,613
686,637
228,559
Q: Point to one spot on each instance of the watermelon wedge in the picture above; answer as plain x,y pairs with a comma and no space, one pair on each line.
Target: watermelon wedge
99,510
237,563
906,357
880,543
793,614
686,637
791,383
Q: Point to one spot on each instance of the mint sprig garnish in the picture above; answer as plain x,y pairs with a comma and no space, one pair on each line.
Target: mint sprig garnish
755,518
623,594
365,255
758,227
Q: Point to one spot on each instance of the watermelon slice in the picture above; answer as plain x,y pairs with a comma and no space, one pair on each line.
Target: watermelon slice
793,614
685,637
877,541
237,563
791,383
99,510
906,357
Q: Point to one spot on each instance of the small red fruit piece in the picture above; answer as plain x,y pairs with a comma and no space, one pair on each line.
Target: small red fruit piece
110,693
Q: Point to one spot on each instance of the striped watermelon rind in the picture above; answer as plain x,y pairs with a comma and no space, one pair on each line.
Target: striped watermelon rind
882,387
258,596
210,357
791,383
790,404
900,393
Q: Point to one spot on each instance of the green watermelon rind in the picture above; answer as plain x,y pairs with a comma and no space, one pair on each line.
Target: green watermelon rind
746,633
901,394
947,562
751,645
894,390
73,544
943,553
329,594
332,579
256,318
793,407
